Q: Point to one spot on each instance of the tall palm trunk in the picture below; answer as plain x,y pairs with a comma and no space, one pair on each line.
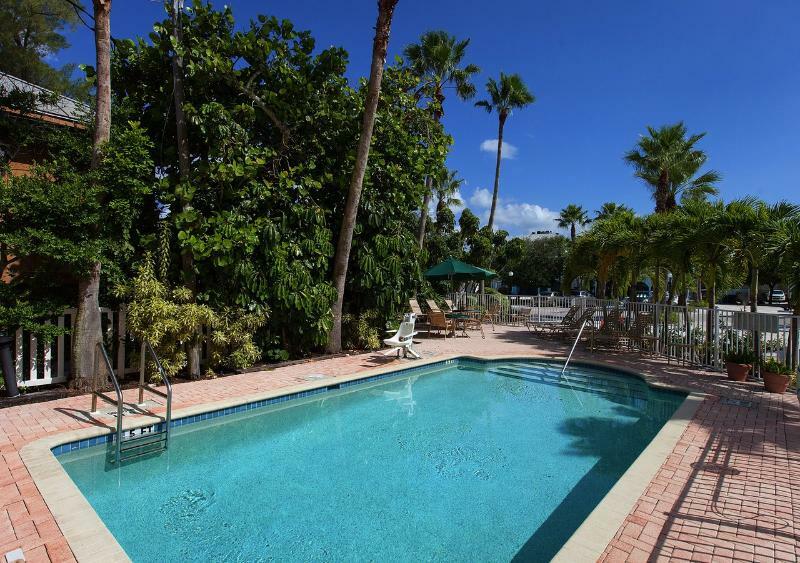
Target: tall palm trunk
342,256
754,290
426,201
423,218
572,232
662,190
502,120
182,138
86,330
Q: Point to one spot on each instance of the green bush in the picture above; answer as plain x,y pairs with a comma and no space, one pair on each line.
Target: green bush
774,366
361,332
744,356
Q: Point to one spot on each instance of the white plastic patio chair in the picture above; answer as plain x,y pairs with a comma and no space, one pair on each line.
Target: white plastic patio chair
403,340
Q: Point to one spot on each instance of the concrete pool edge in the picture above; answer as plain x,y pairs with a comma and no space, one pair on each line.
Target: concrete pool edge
90,540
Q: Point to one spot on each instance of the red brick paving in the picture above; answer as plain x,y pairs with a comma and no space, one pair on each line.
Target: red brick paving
724,493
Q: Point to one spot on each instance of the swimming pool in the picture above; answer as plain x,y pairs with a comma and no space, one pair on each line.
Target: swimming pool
466,460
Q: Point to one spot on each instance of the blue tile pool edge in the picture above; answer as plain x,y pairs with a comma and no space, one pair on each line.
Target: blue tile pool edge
464,361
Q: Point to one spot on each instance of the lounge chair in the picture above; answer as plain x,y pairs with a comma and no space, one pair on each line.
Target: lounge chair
641,334
432,305
449,303
569,328
551,326
403,340
422,318
612,329
440,322
522,316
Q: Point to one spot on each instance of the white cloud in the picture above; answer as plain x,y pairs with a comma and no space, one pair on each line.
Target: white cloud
481,198
524,218
518,219
490,146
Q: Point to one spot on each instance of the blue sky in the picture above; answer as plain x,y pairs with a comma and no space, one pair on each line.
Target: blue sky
601,72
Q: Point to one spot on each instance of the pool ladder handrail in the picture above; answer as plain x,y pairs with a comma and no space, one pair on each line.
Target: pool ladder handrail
148,348
575,344
135,441
119,403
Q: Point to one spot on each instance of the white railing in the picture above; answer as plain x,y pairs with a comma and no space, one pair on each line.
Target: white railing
38,362
696,335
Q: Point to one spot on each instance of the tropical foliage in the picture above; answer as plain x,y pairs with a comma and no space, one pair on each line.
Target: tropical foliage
668,162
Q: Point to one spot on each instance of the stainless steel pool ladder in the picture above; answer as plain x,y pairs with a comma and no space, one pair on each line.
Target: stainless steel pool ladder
142,444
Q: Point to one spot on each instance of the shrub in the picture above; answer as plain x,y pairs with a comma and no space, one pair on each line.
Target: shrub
361,332
774,366
744,356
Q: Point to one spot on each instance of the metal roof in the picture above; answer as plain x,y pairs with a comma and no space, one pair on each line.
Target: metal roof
63,108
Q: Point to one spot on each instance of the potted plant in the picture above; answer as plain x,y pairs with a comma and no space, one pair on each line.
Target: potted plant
776,375
739,363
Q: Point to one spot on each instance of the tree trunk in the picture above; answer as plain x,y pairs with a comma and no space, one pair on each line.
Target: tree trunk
182,139
572,232
342,256
661,192
754,290
86,329
438,112
423,218
502,120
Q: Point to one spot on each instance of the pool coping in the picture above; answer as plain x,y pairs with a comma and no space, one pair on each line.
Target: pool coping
90,539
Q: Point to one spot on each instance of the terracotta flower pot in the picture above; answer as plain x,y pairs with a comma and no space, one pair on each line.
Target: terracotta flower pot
775,382
737,372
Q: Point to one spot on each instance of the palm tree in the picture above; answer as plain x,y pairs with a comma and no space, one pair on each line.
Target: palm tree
446,190
668,162
437,62
340,260
572,216
505,95
610,208
752,225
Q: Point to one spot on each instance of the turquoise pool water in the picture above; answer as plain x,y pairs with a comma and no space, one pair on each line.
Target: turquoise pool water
467,462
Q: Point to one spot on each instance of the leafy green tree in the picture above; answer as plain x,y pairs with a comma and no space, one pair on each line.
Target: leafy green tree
505,95
31,31
437,60
538,262
65,217
271,127
668,161
571,217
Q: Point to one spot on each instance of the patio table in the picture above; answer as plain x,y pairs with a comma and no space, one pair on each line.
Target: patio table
463,318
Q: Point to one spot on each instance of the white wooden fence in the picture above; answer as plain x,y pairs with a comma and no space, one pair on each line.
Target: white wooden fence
39,362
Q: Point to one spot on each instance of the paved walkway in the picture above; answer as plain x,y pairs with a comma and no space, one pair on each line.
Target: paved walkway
724,493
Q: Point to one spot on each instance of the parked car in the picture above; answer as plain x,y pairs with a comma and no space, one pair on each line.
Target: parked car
778,296
643,296
550,294
581,293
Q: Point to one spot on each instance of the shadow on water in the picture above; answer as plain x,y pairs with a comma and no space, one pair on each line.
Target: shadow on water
596,437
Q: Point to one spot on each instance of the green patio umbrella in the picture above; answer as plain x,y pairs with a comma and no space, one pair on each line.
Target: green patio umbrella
452,269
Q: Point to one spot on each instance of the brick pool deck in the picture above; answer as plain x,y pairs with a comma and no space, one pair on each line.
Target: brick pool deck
724,493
